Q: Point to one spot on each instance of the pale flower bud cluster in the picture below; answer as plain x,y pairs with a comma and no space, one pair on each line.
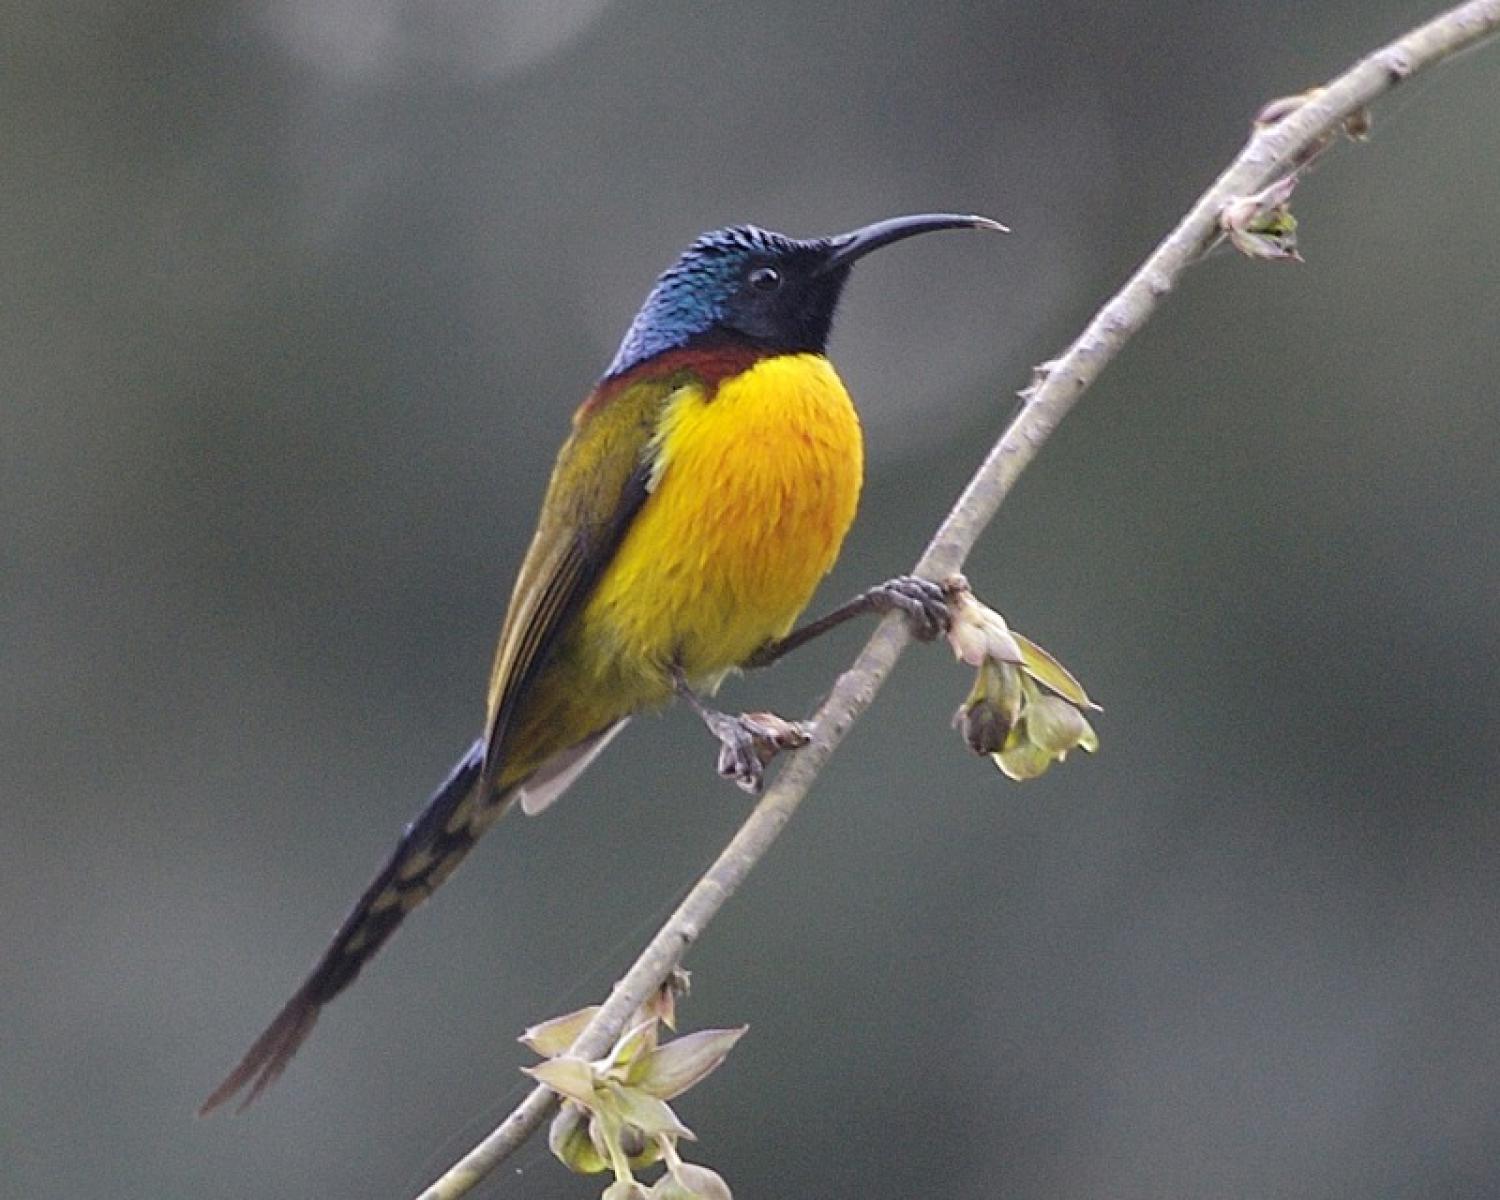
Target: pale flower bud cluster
1008,715
614,1114
1262,225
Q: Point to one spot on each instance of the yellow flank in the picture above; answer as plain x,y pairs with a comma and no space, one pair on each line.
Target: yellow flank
755,488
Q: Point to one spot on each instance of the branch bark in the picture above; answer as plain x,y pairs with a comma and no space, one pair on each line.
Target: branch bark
1271,154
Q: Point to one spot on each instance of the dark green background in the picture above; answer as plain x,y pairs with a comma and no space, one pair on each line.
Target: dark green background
296,300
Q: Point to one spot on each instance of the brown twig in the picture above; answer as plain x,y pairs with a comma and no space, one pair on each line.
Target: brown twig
1272,152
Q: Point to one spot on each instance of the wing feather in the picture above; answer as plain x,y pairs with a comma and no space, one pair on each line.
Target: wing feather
602,478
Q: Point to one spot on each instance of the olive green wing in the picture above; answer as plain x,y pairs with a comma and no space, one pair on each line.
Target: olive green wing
601,479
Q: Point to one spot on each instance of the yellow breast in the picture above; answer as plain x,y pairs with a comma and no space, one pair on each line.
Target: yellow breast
755,486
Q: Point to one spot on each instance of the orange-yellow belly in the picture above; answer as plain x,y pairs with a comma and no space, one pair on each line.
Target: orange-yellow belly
755,488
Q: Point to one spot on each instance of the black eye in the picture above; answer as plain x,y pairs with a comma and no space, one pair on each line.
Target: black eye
764,279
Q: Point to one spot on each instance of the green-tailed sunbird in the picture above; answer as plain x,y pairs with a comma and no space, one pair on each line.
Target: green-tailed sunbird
705,489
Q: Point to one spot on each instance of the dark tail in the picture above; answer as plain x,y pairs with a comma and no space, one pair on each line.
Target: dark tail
429,850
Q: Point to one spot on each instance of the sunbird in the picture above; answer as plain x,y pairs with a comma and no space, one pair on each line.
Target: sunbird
705,490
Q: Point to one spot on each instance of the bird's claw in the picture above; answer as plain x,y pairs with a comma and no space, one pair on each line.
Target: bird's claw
748,742
924,604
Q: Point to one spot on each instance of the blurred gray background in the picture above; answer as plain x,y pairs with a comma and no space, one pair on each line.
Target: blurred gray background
296,301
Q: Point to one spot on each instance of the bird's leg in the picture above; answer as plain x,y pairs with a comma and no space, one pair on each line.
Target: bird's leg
747,742
925,604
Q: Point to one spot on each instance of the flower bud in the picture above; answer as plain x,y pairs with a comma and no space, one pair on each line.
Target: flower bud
977,632
1023,760
992,708
554,1037
1262,226
689,1181
568,1137
571,1078
663,1002
675,1066
1056,726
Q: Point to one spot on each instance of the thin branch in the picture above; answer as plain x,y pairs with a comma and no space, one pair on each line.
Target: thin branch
1270,155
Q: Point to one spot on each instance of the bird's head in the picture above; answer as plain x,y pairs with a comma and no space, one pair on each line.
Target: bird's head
749,285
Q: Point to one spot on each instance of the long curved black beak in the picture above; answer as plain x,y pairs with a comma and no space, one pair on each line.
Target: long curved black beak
846,247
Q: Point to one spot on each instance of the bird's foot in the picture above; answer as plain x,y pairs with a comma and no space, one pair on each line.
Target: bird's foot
748,742
924,603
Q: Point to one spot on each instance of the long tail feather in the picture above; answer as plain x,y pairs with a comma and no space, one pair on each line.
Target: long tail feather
432,846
